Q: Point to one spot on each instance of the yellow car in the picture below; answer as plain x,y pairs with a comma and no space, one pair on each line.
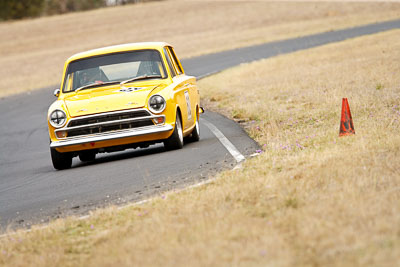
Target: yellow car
120,97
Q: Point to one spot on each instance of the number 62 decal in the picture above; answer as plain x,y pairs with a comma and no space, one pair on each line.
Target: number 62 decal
189,111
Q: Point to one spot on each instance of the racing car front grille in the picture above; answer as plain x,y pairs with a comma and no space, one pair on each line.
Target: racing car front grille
108,117
109,122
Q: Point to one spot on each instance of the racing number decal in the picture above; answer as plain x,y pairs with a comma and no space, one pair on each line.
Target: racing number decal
189,110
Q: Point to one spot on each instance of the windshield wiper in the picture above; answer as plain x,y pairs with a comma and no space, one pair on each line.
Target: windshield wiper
91,85
94,85
140,78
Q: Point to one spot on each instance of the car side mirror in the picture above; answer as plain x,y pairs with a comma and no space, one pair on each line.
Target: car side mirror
201,110
56,92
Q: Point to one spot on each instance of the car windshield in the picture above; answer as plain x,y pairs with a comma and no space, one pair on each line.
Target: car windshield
113,68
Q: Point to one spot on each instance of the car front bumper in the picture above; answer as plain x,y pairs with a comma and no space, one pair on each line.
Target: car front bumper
103,138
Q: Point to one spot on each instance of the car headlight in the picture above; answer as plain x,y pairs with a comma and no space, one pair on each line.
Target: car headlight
157,104
57,118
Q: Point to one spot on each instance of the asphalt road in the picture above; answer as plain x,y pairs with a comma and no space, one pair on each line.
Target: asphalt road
31,191
213,63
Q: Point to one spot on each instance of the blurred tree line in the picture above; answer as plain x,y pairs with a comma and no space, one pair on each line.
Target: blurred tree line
18,9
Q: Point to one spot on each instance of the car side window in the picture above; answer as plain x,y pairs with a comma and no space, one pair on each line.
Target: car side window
171,67
175,61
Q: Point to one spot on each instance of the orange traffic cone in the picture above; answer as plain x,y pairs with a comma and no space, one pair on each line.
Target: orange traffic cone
346,122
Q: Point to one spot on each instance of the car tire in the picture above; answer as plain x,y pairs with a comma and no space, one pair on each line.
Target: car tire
87,156
61,161
195,136
175,141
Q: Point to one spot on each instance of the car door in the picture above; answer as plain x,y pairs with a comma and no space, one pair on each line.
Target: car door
184,90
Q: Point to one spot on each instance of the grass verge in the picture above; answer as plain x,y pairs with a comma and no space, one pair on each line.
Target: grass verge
32,52
310,199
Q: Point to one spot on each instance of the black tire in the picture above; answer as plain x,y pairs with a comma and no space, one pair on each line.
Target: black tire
195,135
87,156
61,161
175,141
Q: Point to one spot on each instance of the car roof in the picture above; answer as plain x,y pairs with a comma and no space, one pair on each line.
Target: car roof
117,48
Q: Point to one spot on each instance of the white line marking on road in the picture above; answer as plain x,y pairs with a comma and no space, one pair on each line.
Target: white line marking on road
224,141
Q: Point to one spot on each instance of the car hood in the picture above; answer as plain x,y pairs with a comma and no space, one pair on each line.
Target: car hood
98,100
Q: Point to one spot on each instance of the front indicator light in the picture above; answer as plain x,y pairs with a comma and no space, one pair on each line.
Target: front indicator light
159,120
61,134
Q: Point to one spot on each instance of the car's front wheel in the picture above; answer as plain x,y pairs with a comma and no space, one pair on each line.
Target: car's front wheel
60,160
175,141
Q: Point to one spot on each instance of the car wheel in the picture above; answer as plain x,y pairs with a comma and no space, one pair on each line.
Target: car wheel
175,141
195,136
60,160
87,156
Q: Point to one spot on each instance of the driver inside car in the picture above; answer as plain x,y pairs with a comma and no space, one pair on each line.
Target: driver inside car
89,76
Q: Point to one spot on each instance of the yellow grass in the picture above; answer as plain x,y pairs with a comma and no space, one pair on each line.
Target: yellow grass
32,52
310,199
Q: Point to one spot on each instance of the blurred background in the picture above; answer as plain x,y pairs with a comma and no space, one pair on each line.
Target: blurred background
37,36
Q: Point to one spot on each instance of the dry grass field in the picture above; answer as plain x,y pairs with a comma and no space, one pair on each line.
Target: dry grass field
309,199
32,52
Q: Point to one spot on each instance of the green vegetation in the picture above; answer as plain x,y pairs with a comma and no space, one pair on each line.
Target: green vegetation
19,9
65,6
